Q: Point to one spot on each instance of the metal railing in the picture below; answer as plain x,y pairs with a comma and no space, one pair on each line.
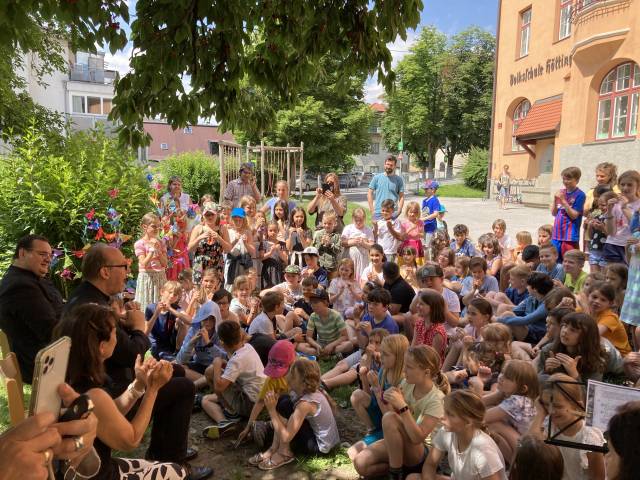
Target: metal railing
580,7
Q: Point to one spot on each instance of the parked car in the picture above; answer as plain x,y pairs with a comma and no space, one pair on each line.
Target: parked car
347,180
366,179
310,182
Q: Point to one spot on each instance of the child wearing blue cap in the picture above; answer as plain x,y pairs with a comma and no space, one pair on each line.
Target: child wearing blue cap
430,212
243,250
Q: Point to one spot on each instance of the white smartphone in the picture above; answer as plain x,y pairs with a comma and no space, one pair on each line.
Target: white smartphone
49,372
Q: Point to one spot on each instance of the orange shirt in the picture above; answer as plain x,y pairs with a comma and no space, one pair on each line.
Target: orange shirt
616,332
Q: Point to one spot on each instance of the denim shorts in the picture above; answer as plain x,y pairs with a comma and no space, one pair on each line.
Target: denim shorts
597,258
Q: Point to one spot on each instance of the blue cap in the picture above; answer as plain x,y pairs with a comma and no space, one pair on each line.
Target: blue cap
431,184
238,212
208,309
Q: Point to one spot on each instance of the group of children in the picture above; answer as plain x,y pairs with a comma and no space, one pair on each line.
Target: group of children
470,368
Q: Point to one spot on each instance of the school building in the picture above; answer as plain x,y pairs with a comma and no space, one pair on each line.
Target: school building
567,88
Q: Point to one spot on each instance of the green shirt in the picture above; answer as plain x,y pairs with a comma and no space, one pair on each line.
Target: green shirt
328,253
328,328
577,284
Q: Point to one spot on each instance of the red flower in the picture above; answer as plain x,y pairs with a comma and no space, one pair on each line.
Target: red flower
90,214
114,193
68,274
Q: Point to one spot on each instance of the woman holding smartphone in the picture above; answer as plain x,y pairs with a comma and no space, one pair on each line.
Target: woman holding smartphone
92,329
329,200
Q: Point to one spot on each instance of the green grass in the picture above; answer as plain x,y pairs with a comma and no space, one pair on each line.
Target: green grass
5,419
337,458
459,190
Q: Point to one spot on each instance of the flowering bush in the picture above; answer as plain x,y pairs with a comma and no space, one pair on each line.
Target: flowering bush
86,190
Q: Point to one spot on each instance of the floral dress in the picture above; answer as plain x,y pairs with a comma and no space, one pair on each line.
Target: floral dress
208,254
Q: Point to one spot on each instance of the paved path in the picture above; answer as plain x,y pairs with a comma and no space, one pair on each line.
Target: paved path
478,214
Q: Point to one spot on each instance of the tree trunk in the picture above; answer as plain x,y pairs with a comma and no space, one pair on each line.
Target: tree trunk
450,156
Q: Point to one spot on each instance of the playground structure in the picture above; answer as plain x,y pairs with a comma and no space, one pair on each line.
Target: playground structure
271,165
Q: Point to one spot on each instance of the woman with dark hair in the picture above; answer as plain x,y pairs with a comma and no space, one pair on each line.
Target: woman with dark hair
92,329
175,198
623,459
535,460
329,201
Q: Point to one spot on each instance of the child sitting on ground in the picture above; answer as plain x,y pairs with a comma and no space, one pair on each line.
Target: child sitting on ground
461,245
302,309
272,322
574,275
544,234
511,408
328,243
549,262
478,316
161,321
367,357
507,245
478,283
514,294
236,383
485,359
525,351
602,297
306,427
388,232
331,329
243,305
429,326
313,268
344,290
491,251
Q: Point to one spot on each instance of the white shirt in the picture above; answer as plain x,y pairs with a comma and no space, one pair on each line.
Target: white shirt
364,278
245,369
388,242
261,324
480,459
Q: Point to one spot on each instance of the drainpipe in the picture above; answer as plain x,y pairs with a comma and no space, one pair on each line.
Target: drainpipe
493,102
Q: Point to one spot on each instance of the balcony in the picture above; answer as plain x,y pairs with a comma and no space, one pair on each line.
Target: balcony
587,8
81,72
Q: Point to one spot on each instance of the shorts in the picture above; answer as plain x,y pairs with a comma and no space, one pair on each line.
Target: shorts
354,359
614,253
197,367
563,246
238,401
417,468
596,257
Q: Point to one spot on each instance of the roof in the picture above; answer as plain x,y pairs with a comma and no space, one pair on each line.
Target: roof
543,119
378,107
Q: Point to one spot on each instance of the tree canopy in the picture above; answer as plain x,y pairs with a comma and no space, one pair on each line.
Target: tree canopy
442,98
276,44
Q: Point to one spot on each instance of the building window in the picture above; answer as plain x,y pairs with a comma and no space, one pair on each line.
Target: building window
618,103
519,115
188,130
94,106
164,146
90,105
77,104
374,148
525,32
565,18
106,106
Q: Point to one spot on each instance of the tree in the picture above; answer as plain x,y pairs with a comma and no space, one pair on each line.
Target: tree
415,111
468,87
329,116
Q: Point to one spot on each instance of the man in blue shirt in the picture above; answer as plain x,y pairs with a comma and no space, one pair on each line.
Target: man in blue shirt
385,186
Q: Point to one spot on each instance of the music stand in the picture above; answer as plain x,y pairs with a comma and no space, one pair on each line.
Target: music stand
553,439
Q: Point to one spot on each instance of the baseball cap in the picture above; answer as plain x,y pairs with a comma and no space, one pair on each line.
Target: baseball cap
209,207
281,356
442,208
432,184
311,251
208,309
238,212
430,270
320,294
294,269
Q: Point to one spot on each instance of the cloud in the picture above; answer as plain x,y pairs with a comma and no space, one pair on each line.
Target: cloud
373,91
119,61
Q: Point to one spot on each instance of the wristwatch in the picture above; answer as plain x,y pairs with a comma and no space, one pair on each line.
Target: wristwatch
402,410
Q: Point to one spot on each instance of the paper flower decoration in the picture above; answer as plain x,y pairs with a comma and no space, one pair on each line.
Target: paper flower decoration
114,193
90,214
149,177
112,213
68,274
95,225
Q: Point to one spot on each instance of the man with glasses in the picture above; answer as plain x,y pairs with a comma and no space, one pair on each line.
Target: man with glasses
245,185
30,306
104,273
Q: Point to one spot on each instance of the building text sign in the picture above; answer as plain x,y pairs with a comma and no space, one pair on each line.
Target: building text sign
552,64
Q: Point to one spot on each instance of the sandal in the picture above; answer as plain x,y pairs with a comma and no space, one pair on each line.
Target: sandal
270,464
257,459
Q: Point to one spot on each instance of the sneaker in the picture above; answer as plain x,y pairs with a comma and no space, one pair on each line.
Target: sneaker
214,432
313,358
259,432
197,403
372,436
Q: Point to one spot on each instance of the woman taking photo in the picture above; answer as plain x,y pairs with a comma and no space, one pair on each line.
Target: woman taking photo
92,329
208,243
329,201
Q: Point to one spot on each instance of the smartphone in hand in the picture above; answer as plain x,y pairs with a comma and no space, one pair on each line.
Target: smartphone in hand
50,371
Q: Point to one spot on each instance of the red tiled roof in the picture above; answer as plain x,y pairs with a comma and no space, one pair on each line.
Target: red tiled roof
544,117
378,107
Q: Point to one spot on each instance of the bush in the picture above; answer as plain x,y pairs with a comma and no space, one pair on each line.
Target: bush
474,172
85,190
200,173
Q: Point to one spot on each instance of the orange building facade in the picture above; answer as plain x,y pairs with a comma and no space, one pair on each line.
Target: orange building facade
567,90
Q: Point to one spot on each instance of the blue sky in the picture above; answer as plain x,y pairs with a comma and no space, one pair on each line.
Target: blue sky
449,16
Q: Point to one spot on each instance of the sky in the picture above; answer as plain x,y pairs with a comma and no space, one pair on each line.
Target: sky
449,16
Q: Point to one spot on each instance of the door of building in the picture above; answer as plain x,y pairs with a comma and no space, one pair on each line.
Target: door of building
545,164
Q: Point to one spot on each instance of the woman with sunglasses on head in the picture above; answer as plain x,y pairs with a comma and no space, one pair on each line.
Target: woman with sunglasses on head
329,200
209,242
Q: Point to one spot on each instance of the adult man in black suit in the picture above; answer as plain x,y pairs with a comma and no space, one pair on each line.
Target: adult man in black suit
30,305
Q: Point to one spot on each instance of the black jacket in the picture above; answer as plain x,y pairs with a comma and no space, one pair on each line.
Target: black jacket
131,343
30,306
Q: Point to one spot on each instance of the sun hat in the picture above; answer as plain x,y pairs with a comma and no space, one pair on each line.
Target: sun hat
208,309
293,269
238,212
311,251
281,356
430,270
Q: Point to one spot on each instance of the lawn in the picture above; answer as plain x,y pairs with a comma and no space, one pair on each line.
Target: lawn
459,190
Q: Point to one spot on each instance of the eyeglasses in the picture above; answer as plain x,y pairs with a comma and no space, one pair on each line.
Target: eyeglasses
124,265
44,255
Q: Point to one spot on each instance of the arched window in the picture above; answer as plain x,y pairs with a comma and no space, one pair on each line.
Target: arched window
519,115
618,103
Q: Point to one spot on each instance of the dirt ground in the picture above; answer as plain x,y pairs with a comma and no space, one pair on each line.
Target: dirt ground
231,464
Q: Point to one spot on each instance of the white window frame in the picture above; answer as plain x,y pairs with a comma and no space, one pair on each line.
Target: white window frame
188,130
525,32
566,7
85,104
516,121
164,146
